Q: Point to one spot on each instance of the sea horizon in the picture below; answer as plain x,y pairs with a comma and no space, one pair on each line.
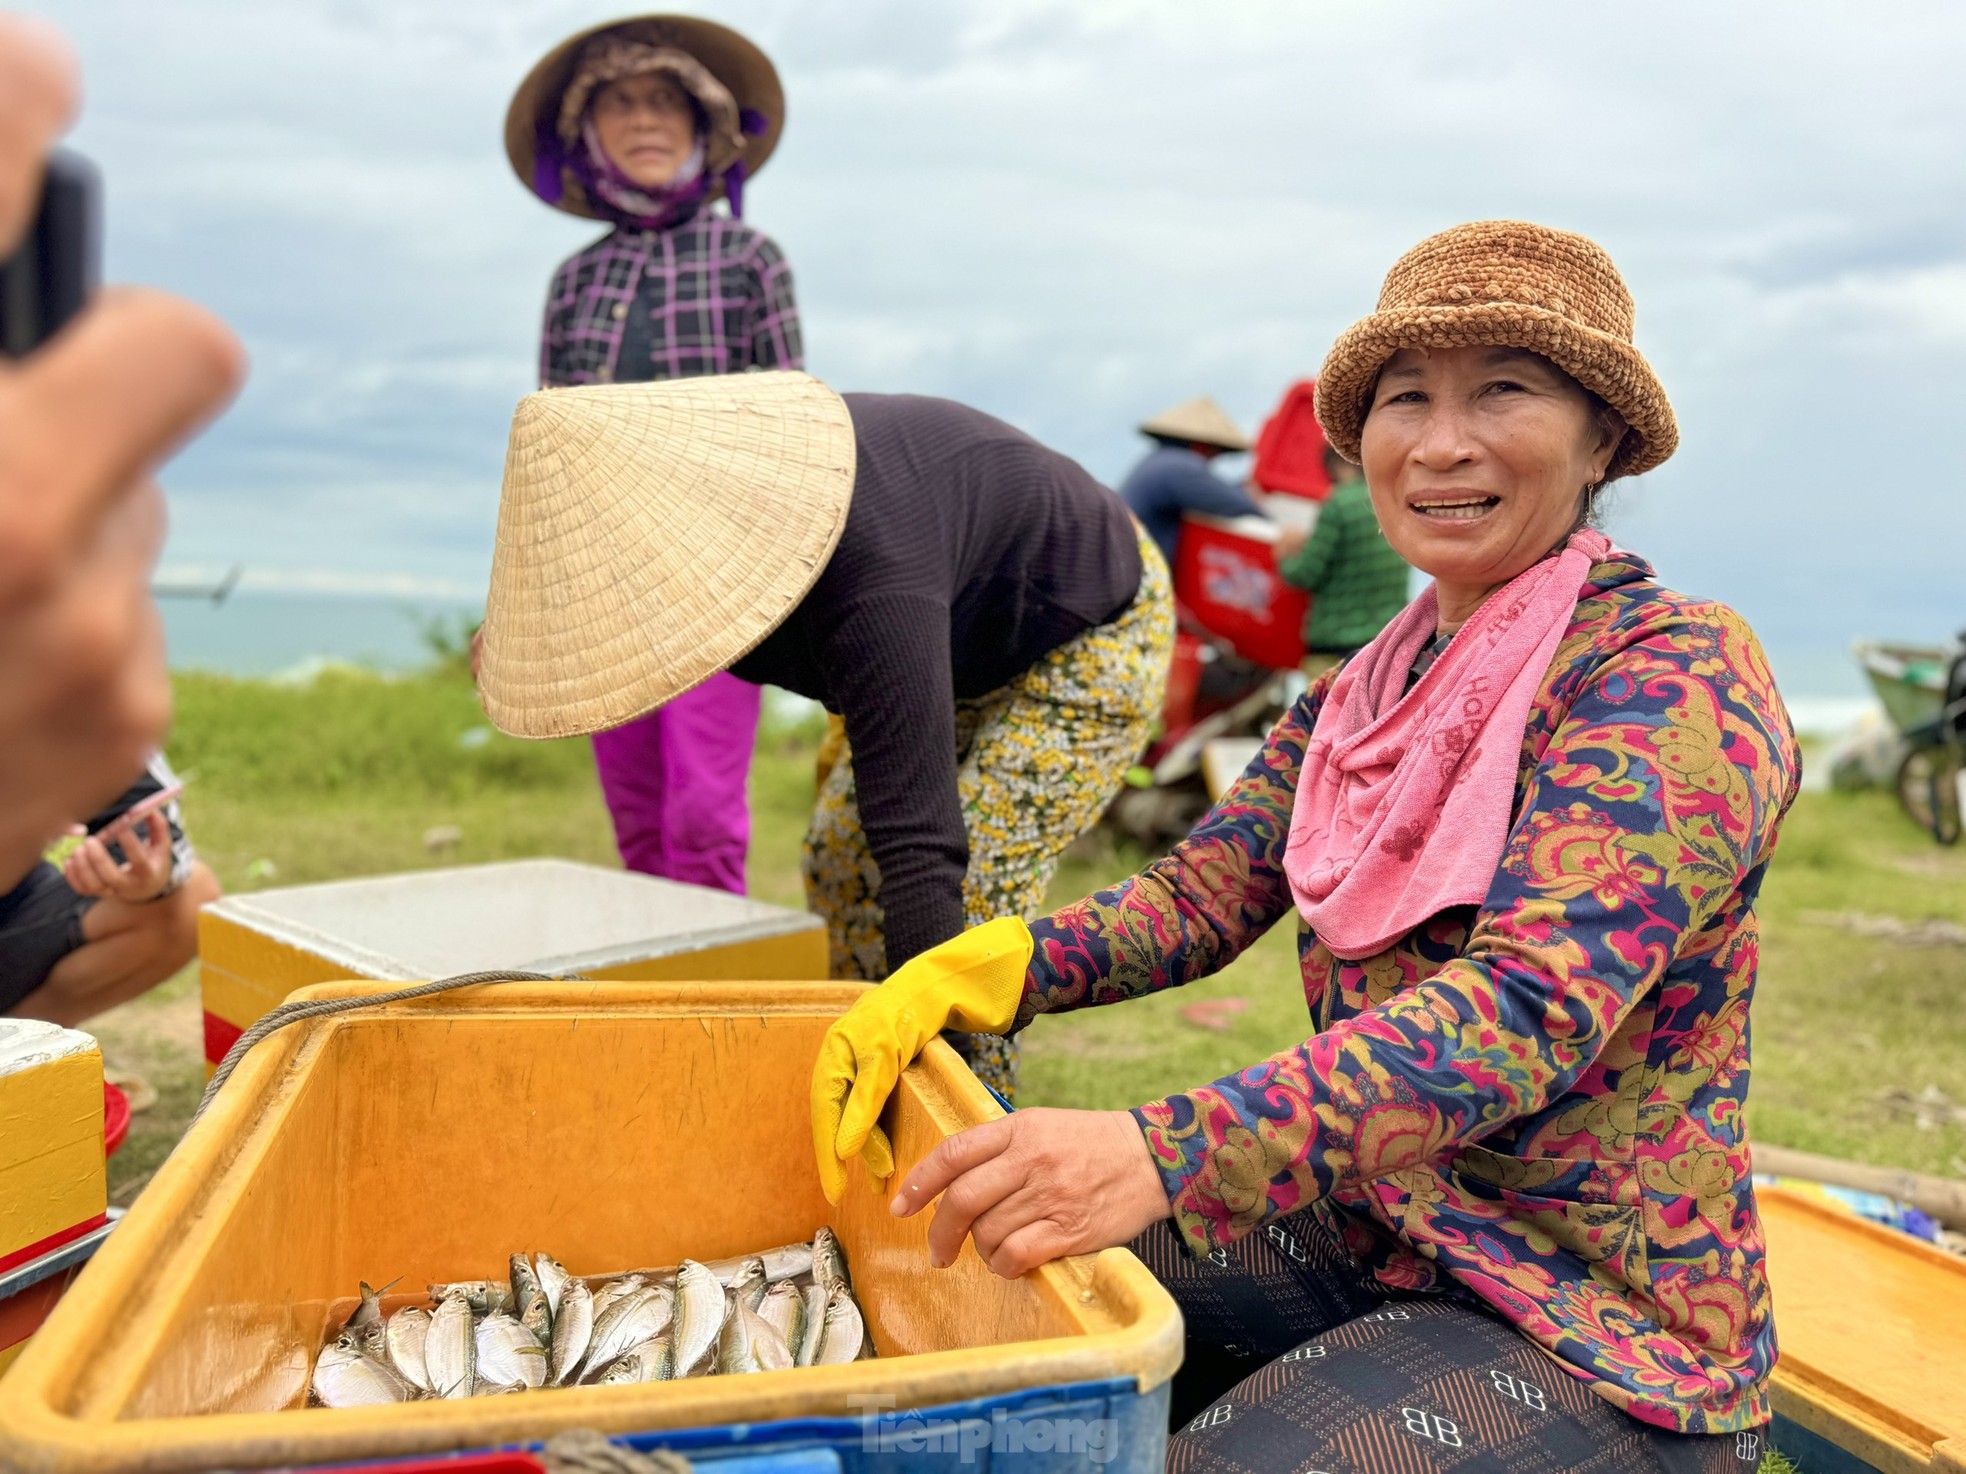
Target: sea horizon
288,634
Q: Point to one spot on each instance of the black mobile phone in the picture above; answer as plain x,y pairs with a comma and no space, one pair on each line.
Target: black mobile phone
58,262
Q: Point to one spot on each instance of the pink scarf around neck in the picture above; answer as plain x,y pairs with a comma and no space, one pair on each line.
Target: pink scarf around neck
1403,806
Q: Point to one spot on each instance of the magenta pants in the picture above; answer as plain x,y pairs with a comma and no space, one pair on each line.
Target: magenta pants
674,784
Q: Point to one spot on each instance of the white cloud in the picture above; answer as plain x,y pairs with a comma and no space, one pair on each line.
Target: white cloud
1884,312
1070,212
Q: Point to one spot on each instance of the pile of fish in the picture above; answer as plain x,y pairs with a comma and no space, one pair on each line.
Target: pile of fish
788,1307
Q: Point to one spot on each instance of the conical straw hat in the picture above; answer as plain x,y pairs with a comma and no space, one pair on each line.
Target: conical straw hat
651,534
1199,420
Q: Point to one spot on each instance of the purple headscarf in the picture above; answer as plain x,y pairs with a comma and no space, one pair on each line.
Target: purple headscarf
651,207
572,145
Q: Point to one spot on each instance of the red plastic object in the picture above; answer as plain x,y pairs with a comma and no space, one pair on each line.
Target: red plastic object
1290,451
1230,584
1177,711
22,1312
220,1036
115,1118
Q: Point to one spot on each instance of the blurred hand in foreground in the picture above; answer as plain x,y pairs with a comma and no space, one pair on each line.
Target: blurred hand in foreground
973,982
83,424
1035,1186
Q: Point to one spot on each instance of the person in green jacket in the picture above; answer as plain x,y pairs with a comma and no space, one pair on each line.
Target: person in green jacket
1356,581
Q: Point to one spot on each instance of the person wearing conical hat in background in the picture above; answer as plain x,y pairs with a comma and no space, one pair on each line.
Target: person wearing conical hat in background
989,621
1174,477
645,124
1495,1210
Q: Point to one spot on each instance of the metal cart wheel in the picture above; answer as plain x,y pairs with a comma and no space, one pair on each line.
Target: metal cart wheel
1928,788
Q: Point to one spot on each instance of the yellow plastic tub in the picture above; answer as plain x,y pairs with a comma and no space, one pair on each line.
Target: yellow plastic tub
613,1125
1872,1325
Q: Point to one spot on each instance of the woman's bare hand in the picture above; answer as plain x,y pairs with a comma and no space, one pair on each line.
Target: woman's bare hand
1036,1186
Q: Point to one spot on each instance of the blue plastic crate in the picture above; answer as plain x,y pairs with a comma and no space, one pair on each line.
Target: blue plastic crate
1107,1425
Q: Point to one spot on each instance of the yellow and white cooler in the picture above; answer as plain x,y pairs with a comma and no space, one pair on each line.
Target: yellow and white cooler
53,1191
548,916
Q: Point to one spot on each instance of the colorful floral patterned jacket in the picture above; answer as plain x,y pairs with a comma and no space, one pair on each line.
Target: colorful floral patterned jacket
1539,1098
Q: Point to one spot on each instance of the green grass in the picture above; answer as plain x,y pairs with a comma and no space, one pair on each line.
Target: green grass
346,775
1843,1021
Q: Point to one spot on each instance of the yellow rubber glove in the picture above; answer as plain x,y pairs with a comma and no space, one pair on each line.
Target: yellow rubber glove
973,982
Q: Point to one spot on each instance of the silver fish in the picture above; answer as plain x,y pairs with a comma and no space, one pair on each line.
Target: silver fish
748,1289
485,1297
612,1290
508,1353
784,1310
524,1281
449,1348
652,1361
404,1336
813,1298
787,1262
573,1332
828,1261
748,1344
343,1377
699,1316
365,1324
482,1388
844,1331
537,1316
632,1319
553,1279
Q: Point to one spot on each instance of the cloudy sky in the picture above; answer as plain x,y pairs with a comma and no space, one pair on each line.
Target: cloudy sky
1070,214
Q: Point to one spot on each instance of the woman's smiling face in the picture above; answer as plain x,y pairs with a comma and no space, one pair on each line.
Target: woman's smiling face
1476,459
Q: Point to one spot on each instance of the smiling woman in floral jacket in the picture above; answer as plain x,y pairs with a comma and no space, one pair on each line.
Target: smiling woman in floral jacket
1496,1210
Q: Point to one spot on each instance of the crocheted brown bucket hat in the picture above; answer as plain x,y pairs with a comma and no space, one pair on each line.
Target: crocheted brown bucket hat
1506,283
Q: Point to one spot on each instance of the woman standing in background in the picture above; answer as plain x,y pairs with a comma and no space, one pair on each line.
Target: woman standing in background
645,123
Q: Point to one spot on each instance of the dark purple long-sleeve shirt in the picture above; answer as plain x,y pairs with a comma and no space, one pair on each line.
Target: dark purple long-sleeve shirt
970,551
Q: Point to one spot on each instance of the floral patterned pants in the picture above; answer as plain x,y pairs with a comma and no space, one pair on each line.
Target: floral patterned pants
1037,762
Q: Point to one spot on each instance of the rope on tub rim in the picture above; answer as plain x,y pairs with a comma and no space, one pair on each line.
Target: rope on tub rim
583,1451
297,1012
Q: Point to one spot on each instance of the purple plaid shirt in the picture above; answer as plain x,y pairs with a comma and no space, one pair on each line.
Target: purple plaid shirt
708,296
